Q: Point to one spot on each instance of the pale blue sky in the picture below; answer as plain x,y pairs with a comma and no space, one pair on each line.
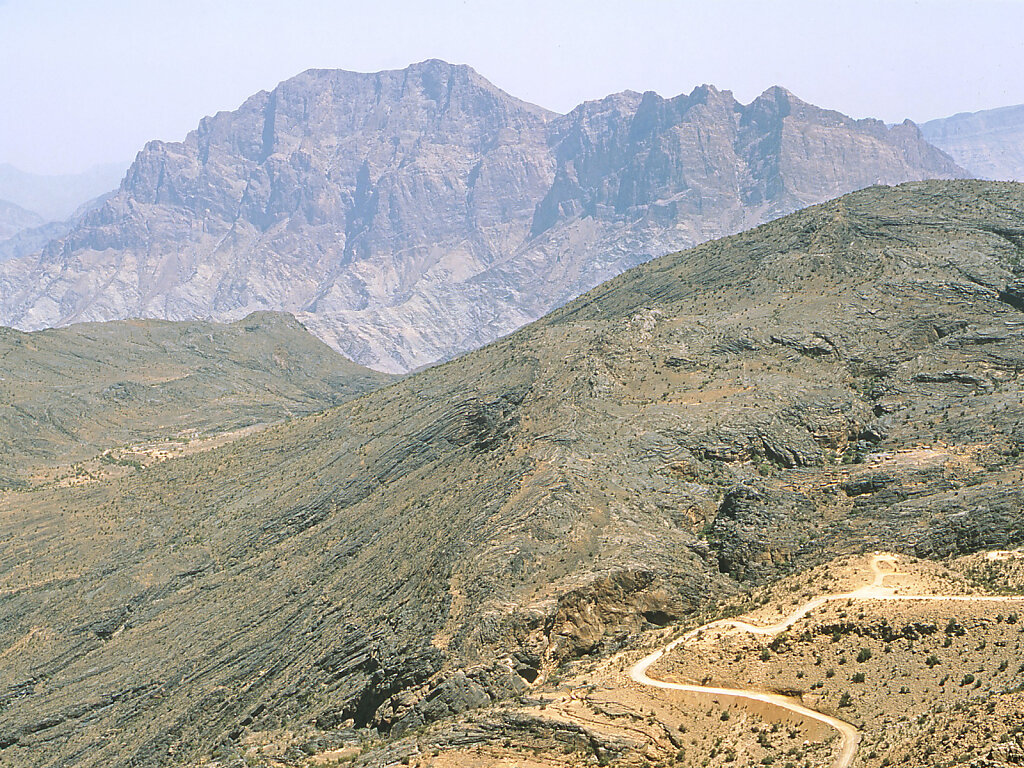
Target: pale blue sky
89,81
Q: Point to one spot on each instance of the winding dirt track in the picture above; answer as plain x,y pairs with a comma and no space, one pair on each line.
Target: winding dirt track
876,590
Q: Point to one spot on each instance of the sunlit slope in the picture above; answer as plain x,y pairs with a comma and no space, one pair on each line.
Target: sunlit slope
67,395
840,380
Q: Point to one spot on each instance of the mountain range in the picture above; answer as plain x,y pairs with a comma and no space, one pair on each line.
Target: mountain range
15,219
407,216
841,380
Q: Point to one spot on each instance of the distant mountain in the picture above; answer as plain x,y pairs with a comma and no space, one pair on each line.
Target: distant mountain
26,242
990,144
30,240
15,219
407,216
55,198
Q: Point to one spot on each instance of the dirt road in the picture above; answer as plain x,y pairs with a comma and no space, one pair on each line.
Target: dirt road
875,590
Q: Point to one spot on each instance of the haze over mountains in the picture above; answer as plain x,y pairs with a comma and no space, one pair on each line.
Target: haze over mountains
407,216
14,219
990,143
45,208
844,379
57,197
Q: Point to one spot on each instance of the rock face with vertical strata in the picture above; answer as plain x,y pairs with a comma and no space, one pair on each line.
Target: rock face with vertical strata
407,216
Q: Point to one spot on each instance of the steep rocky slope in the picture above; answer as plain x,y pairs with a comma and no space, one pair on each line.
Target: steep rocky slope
840,380
67,394
29,239
990,144
407,216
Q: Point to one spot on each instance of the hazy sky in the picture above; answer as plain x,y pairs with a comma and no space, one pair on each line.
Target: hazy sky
89,81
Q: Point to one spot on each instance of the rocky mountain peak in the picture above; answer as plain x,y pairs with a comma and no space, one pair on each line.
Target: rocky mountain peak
408,215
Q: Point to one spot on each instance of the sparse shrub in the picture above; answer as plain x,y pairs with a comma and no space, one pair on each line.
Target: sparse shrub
863,655
858,677
845,700
967,679
932,660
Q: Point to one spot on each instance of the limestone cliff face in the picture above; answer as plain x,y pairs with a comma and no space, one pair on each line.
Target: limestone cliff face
407,216
990,144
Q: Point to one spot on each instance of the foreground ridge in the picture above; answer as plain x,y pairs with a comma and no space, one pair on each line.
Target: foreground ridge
843,380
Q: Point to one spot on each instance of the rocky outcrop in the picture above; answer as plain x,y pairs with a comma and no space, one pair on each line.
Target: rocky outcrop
737,533
408,216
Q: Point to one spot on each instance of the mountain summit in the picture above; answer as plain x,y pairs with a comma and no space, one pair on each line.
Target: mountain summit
406,216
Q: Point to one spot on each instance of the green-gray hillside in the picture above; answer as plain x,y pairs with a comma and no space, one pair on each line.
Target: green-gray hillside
67,394
843,379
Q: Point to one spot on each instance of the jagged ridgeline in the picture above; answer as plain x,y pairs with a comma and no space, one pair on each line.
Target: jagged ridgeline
411,215
844,379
